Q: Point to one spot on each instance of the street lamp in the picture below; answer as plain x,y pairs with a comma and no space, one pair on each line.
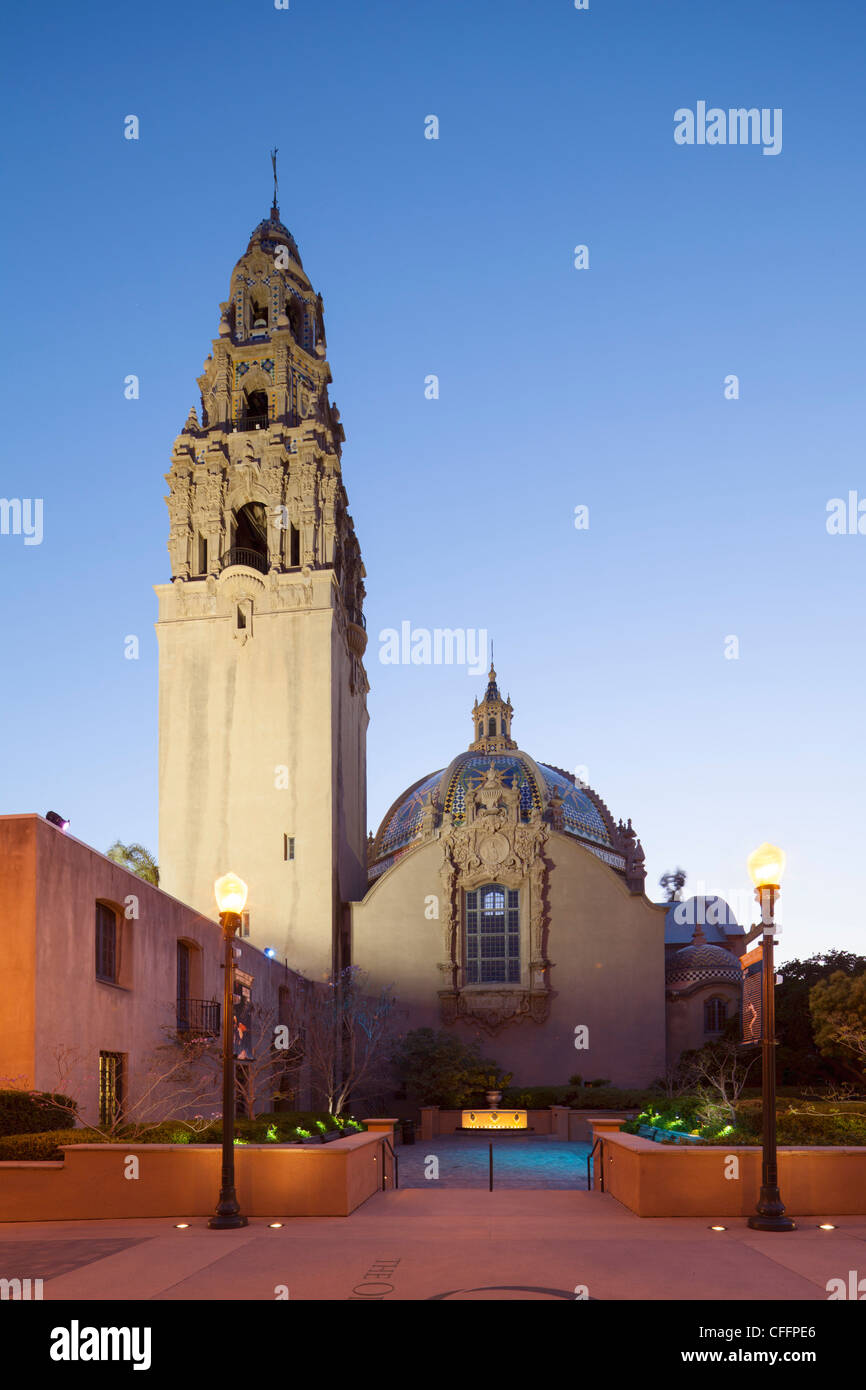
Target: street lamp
766,867
231,896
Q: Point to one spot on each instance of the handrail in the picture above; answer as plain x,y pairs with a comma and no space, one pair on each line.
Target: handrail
599,1143
386,1140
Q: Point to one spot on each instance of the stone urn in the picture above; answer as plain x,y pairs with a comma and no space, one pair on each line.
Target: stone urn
493,1098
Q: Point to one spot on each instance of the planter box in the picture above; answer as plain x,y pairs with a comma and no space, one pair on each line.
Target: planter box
183,1181
687,1180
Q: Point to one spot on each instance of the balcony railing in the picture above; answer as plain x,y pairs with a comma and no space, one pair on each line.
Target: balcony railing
240,555
198,1017
251,422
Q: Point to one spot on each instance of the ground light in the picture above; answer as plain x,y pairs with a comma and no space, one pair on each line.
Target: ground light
231,896
718,1228
825,1226
181,1225
275,1225
766,866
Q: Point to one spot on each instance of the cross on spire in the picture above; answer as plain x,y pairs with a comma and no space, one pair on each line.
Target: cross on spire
275,209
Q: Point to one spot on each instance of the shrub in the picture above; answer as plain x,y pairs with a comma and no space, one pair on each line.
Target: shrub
534,1097
31,1148
438,1069
275,1128
35,1112
612,1098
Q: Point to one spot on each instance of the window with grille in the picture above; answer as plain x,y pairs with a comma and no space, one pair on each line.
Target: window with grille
106,943
715,1015
110,1086
493,935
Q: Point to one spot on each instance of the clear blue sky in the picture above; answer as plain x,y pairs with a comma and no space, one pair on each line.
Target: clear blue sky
559,387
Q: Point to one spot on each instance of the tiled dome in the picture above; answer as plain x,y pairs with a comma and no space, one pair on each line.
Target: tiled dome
570,807
584,816
703,964
271,233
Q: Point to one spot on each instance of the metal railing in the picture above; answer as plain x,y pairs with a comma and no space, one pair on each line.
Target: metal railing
241,555
386,1140
251,422
198,1016
599,1144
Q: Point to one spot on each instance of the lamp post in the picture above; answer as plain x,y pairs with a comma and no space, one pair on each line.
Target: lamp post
231,895
766,866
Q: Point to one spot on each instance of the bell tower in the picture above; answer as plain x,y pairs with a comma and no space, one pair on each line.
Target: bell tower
491,720
262,687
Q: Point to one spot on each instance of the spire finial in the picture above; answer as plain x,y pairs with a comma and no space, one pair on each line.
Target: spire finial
275,209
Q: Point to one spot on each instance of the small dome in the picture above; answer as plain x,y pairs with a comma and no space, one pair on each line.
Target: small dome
271,233
702,964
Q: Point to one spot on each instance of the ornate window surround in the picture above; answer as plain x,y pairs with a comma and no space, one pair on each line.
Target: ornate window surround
494,845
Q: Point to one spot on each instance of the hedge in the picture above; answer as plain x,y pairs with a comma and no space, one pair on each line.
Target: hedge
34,1112
46,1146
42,1147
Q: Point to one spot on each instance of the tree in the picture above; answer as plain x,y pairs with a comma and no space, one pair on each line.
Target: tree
135,858
800,1061
178,1078
348,1036
717,1073
440,1069
838,1011
276,1052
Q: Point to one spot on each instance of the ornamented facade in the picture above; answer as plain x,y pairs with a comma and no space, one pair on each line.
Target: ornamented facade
499,897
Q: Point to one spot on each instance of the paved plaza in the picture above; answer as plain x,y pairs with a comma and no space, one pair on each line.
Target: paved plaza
434,1243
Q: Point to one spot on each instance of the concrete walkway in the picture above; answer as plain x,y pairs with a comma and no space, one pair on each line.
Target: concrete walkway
429,1244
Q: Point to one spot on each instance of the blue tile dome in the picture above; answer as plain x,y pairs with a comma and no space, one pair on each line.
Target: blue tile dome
583,815
702,964
271,233
544,792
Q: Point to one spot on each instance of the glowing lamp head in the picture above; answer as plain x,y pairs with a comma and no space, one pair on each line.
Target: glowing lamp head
766,866
231,893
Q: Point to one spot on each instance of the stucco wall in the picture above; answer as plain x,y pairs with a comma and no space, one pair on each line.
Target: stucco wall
607,950
230,715
55,1016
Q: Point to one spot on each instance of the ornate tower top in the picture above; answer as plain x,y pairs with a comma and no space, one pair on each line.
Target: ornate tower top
491,720
257,484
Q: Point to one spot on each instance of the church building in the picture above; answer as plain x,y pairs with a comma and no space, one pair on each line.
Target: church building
499,897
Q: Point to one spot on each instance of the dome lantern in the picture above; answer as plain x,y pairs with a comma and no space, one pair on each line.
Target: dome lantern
491,720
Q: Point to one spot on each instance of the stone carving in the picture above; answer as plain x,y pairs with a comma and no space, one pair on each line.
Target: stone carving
491,1009
494,843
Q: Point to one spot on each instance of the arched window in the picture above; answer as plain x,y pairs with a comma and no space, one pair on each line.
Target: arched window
259,315
491,726
251,533
715,1015
107,952
493,935
256,412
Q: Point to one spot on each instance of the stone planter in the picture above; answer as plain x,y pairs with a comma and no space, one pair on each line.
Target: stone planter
493,1098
